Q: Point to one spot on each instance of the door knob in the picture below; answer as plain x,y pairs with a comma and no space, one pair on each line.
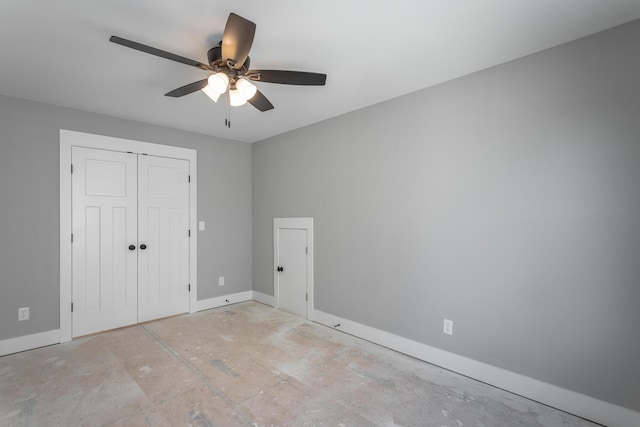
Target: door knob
280,268
143,246
132,247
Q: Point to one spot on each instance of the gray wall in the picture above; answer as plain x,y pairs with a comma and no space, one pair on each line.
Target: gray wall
30,207
507,200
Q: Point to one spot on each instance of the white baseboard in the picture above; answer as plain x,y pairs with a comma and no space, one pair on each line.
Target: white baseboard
263,298
29,342
557,397
209,303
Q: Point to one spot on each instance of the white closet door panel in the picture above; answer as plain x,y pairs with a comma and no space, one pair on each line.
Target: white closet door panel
176,260
120,241
163,218
104,194
149,261
91,289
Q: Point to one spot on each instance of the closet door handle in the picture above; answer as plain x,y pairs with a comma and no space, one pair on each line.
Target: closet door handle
132,247
143,246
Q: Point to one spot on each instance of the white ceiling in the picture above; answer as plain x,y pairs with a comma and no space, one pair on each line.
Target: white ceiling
58,52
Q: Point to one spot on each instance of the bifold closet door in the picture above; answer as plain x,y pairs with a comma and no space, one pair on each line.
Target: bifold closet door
163,236
104,197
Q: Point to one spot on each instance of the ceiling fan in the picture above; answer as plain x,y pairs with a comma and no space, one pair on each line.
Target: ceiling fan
229,64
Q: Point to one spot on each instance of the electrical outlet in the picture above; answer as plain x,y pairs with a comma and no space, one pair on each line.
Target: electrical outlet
23,313
221,281
448,327
201,226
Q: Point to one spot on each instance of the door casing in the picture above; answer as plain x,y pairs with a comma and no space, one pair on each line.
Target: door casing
296,223
69,139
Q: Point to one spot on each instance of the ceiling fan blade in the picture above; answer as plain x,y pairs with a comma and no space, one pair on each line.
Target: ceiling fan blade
260,102
187,89
288,77
237,40
158,52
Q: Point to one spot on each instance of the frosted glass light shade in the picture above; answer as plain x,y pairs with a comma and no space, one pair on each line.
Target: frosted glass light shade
218,82
246,88
235,98
211,94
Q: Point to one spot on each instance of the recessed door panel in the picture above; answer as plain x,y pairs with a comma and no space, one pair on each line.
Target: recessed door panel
105,178
165,182
120,257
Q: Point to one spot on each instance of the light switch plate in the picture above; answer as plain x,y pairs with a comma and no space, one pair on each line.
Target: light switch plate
448,327
201,225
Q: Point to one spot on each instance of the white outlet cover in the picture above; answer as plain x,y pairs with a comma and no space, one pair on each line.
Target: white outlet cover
448,327
23,313
221,281
201,226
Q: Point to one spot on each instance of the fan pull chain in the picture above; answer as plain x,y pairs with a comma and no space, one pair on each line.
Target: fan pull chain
227,119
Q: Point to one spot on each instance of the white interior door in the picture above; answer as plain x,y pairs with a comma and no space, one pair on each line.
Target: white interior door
293,266
104,225
130,219
73,216
163,236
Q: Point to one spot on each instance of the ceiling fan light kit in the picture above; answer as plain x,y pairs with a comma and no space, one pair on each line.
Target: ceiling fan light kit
229,62
210,93
246,88
235,98
218,82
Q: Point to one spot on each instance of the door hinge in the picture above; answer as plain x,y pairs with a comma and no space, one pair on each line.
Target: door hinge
72,168
307,297
189,178
71,237
72,307
306,251
189,287
189,233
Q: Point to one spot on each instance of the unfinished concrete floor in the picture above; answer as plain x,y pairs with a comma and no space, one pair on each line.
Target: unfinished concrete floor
248,365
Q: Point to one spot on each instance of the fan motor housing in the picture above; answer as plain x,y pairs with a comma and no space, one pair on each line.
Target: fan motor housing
214,55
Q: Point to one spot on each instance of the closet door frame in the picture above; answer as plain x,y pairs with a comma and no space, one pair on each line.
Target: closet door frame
69,139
